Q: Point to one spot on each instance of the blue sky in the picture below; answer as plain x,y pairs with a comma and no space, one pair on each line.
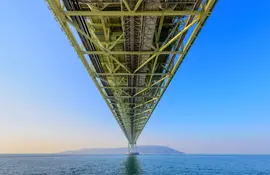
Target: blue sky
217,103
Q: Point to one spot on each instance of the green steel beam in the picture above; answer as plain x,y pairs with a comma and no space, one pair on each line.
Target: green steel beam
116,42
99,46
97,43
137,5
126,97
119,2
208,7
129,103
107,24
148,110
167,44
110,43
64,24
134,87
149,101
106,35
116,72
114,88
140,119
126,5
153,71
132,52
131,13
161,20
130,74
147,88
174,30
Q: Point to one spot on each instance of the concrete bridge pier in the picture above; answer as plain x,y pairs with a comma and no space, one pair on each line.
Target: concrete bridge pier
132,149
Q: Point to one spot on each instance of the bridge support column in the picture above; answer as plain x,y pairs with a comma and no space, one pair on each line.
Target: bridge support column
132,149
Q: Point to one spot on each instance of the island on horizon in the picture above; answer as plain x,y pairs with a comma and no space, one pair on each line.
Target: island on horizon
143,149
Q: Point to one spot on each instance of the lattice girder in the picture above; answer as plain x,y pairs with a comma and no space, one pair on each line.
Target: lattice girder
132,49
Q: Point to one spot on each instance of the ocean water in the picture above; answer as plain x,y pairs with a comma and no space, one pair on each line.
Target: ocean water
134,165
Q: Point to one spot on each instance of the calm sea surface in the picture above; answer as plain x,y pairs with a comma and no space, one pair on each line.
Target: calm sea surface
142,164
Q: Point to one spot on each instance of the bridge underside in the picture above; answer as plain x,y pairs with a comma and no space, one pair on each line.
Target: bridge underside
132,49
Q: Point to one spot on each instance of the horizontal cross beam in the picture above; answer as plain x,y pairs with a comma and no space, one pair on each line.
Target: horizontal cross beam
94,2
131,13
125,97
134,87
131,52
131,74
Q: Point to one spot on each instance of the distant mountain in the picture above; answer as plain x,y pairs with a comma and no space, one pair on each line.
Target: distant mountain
149,149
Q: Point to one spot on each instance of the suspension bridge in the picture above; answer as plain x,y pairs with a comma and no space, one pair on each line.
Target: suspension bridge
131,49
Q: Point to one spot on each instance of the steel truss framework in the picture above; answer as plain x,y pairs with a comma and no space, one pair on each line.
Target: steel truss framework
134,49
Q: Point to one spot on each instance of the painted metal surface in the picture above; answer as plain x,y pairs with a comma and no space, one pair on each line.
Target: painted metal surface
131,49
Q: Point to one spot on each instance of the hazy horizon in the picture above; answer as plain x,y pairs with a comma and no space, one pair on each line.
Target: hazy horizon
123,147
218,102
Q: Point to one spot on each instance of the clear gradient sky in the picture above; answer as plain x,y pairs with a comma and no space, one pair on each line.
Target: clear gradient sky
219,101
